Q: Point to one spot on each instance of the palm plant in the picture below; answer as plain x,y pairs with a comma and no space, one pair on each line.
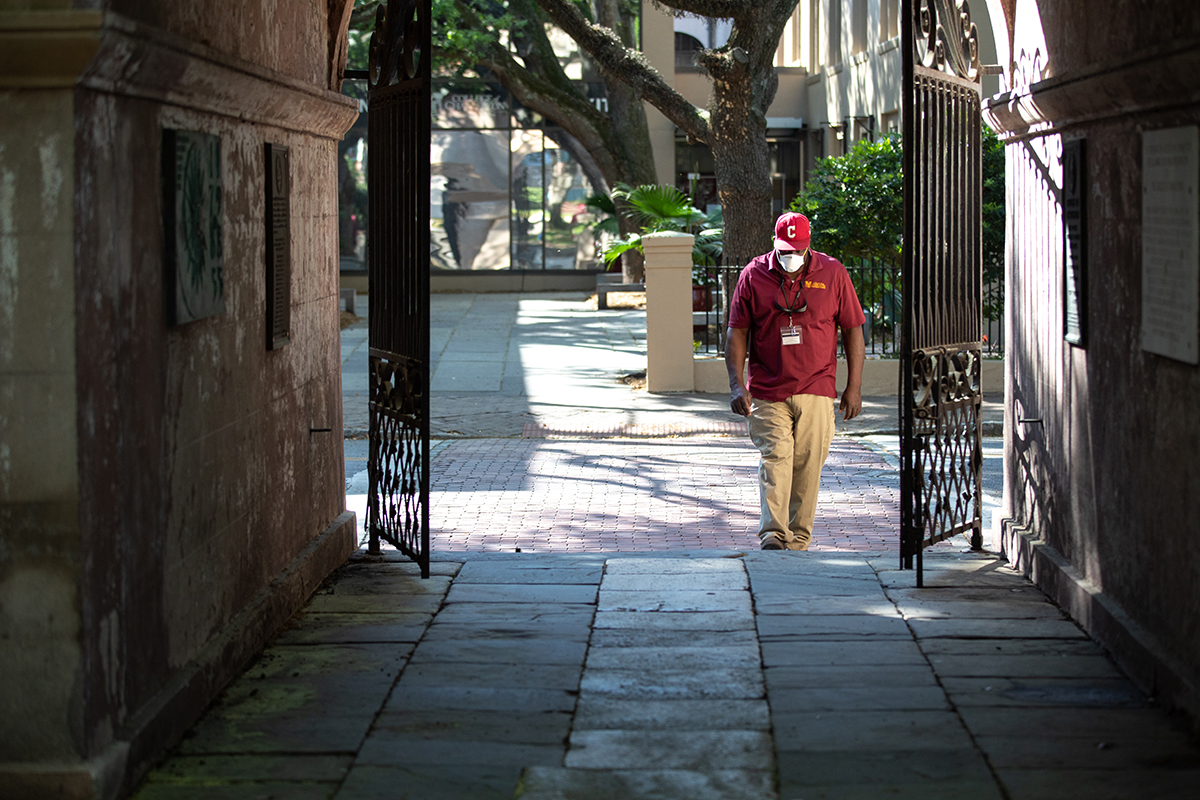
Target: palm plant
657,209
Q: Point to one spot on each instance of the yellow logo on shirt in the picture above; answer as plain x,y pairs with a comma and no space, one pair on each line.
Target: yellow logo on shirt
814,285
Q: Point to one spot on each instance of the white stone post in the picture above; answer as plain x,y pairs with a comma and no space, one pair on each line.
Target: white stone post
669,351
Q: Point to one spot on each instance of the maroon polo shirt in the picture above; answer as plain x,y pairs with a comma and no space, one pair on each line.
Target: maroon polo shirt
778,371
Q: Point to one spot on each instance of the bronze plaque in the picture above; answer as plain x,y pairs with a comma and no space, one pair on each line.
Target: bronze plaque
192,223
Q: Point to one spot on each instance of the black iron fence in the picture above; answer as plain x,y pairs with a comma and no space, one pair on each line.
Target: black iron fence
879,290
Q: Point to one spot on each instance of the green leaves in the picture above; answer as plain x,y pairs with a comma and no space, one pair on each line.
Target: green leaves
657,208
855,203
602,204
993,206
465,32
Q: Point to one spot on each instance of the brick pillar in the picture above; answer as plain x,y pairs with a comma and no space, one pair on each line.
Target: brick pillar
669,351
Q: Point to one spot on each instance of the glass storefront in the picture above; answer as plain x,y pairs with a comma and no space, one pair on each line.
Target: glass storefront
506,193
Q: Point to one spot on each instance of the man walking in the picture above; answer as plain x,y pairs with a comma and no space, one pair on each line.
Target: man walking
786,312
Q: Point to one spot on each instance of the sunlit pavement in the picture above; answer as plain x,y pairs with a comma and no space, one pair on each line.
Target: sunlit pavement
612,495
539,446
599,624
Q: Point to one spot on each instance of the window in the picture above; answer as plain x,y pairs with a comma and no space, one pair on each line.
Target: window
686,47
837,139
835,32
814,149
889,19
790,52
858,25
505,192
797,51
864,128
814,35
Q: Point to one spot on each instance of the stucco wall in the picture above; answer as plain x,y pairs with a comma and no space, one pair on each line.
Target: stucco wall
1106,484
658,45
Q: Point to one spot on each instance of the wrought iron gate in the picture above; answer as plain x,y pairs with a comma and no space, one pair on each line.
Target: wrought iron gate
398,129
941,399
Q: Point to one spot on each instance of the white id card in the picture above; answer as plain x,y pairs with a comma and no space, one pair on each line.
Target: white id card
792,335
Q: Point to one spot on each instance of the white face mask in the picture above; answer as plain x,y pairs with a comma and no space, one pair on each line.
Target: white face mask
792,263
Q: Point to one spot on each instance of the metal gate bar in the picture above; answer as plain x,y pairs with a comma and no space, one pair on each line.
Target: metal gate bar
398,134
941,347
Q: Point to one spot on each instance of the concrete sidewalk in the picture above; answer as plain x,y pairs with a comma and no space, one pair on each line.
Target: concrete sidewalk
714,674
508,365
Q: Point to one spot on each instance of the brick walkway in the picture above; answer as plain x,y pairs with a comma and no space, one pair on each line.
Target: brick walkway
622,495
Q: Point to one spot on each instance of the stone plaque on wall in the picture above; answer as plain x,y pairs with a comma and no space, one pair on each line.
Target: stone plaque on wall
279,245
193,238
1171,243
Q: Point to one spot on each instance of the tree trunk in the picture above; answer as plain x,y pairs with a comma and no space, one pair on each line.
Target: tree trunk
632,136
744,186
743,162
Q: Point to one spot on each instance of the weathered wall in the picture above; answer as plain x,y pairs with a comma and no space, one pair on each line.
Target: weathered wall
164,498
277,34
1101,495
40,622
200,478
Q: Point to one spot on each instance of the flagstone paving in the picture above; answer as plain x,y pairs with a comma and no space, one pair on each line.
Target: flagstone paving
707,674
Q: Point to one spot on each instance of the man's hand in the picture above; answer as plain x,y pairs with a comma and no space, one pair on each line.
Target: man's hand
852,340
736,345
851,405
739,401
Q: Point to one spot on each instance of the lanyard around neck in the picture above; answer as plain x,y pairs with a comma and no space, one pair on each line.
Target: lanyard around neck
794,307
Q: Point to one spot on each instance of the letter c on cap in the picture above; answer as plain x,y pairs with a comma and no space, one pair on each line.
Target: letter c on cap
791,231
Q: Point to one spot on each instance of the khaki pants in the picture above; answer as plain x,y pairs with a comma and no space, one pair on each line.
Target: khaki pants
793,437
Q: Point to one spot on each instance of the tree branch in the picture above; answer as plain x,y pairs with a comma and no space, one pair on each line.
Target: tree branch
363,14
541,73
726,9
628,66
556,97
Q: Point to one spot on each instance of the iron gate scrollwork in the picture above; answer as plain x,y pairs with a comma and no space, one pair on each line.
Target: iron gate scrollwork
941,349
398,133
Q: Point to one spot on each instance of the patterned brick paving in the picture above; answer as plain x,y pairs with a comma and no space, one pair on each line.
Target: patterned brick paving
623,495
691,427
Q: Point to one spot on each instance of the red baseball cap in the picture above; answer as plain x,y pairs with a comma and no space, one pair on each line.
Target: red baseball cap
791,232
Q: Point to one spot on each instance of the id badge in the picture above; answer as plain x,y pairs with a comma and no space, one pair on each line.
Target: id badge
792,334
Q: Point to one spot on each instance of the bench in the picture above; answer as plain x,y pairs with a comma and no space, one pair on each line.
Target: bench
606,283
